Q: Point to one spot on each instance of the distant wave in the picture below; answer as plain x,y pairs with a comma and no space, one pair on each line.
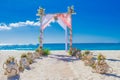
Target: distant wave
61,46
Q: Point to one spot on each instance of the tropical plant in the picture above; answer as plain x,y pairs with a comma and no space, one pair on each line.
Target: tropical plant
46,52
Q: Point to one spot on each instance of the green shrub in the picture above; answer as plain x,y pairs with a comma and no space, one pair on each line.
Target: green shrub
69,52
86,52
23,55
100,57
46,52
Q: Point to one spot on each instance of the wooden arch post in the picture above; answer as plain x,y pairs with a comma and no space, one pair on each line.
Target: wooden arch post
71,11
41,14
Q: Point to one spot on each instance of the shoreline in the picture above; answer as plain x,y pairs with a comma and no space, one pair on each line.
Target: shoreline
60,50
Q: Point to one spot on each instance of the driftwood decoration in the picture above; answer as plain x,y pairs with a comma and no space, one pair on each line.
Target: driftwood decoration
87,57
75,52
40,51
11,67
24,63
30,57
89,62
78,54
36,55
101,66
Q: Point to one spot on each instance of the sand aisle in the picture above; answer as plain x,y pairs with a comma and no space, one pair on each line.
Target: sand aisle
58,66
53,67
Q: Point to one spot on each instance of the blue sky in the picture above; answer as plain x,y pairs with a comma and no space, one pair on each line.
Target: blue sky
96,21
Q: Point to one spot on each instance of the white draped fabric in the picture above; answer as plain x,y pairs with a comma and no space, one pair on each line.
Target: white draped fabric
60,22
46,20
64,20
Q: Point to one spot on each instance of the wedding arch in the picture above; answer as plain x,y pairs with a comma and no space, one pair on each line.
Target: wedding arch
63,19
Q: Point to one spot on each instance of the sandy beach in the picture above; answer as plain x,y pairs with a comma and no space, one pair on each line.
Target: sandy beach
60,66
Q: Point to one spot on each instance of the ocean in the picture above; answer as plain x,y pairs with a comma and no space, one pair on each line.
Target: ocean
81,46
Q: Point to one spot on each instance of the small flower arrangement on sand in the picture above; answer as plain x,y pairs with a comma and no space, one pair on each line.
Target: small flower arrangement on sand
40,51
24,62
75,52
30,57
43,52
87,57
11,67
101,66
36,55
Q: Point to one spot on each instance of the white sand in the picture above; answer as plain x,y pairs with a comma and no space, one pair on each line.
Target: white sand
57,66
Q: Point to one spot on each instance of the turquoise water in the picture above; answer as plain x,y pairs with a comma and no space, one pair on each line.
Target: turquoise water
82,46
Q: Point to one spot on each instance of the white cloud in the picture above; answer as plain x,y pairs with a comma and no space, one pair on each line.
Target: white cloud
4,26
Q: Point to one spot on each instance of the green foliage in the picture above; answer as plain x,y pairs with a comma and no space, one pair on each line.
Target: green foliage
86,52
38,50
23,55
30,61
100,57
39,38
93,66
69,52
46,52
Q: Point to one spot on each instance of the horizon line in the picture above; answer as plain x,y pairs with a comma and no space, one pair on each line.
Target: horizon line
63,43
